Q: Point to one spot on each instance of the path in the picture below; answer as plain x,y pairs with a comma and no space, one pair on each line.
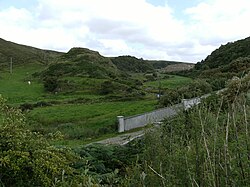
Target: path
122,139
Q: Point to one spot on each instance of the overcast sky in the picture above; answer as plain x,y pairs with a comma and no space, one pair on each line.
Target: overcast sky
181,30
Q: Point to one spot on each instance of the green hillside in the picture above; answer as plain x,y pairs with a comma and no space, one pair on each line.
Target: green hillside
132,64
22,54
232,59
160,64
226,54
82,62
229,60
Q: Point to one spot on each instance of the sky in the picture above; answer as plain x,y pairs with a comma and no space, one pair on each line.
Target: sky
179,30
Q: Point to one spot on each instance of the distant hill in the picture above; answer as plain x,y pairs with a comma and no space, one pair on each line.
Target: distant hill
22,54
178,67
132,64
161,64
78,61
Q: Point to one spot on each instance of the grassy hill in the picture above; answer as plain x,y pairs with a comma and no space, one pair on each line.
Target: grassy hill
232,59
132,64
161,64
226,54
229,60
82,62
178,67
22,54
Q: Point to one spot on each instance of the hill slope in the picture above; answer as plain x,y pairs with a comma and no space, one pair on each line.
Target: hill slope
227,53
132,64
23,54
229,60
232,59
82,62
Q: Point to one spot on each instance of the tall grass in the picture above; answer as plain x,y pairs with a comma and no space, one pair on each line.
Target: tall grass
206,146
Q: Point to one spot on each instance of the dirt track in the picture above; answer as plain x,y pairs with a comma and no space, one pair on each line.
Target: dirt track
122,139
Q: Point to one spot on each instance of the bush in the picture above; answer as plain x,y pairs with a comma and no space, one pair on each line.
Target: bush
107,87
26,158
50,84
194,89
170,97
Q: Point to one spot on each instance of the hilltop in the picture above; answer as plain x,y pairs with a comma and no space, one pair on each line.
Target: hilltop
23,54
84,63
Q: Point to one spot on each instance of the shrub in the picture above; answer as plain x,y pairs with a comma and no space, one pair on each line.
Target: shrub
194,89
26,158
50,84
107,87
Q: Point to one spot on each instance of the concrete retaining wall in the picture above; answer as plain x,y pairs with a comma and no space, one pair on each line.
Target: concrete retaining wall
128,123
141,120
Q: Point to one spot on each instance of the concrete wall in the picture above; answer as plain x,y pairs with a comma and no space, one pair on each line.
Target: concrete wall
189,103
128,123
141,120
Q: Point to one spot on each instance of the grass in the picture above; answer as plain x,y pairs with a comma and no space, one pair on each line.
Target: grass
81,116
173,82
84,121
15,88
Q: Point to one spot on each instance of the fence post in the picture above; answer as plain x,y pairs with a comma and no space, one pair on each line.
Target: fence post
121,127
185,105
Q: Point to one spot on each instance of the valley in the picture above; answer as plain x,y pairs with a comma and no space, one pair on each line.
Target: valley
58,112
82,108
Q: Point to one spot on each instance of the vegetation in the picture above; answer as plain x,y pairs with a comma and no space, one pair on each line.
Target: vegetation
26,158
205,146
71,99
222,64
132,64
168,82
226,54
22,54
196,88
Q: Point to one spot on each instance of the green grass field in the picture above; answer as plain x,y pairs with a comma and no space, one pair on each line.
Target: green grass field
78,121
172,82
85,121
15,87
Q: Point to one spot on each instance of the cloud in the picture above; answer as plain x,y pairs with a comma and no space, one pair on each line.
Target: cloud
128,27
220,20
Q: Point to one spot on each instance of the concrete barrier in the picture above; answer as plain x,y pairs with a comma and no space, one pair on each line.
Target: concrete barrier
141,120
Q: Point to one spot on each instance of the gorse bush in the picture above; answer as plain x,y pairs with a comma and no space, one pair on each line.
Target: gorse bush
27,159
